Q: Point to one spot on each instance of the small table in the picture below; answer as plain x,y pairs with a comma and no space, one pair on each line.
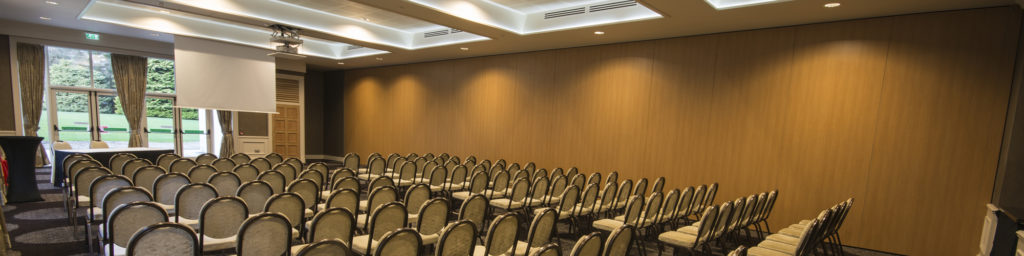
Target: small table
102,155
21,161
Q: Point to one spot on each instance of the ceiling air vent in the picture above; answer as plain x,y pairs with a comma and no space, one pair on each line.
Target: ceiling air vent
435,33
613,5
354,47
569,12
287,90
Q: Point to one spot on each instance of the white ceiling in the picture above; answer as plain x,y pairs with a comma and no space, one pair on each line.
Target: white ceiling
412,17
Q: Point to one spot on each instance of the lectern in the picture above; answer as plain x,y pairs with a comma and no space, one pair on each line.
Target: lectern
21,162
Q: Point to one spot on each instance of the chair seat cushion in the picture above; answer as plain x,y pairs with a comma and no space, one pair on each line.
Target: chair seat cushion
359,244
777,246
190,222
692,229
522,246
678,239
430,239
758,251
217,244
461,195
505,203
783,239
118,250
607,224
794,232
308,213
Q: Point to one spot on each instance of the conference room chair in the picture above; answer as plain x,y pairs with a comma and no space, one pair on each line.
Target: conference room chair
98,188
124,221
315,176
620,241
582,210
98,144
164,239
324,248
223,164
450,165
342,198
267,233
342,183
111,200
606,201
501,236
436,180
384,219
377,198
564,209
309,192
255,194
261,163
477,186
541,173
240,158
406,174
694,238
68,162
117,161
291,206
200,173
457,239
226,183
164,160
559,184
331,224
189,201
630,216
275,179
414,198
578,180
588,245
471,160
130,166
295,163
338,175
146,177
165,190
375,168
287,170
697,204
474,209
457,179
623,195
724,213
516,199
219,222
613,177
77,163
539,234
531,167
709,198
182,165
81,191
573,171
379,182
759,201
351,161
205,158
641,187
246,172
393,162
433,217
645,225
762,217
61,145
668,210
683,207
538,191
274,158
320,167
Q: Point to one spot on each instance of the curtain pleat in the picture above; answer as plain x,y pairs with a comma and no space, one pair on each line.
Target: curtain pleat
30,72
130,78
227,143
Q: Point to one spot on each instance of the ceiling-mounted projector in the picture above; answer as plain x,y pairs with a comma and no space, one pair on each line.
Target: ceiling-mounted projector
287,37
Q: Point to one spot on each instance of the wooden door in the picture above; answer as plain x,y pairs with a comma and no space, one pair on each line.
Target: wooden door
286,130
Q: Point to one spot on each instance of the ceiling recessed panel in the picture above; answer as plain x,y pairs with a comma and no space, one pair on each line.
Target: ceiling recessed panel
370,14
544,15
532,6
729,4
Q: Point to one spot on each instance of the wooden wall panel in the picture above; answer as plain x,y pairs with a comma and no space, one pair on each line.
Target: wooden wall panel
902,113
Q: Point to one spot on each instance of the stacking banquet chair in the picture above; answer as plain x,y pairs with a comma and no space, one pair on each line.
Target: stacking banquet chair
223,164
582,211
226,183
595,178
384,219
124,221
71,190
351,161
641,188
200,173
539,234
97,193
456,180
314,176
117,197
240,158
255,194
709,198
499,185
246,172
474,210
266,234
291,206
433,217
668,210
588,245
164,239
261,163
631,216
558,185
501,236
477,186
331,224
375,167
295,163
164,160
339,183
332,247
457,239
623,195
182,165
129,166
146,176
766,211
415,196
342,198
619,241
659,184
189,201
400,242
516,200
606,201
81,191
219,222
565,207
548,250
683,207
117,161
274,158
275,179
436,180
287,170
308,191
804,245
753,209
693,242
165,190
538,191
205,158
377,198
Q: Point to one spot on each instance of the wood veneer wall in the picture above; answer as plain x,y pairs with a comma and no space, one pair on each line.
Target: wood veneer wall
903,113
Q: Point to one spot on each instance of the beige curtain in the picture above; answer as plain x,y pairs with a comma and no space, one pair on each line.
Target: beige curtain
227,143
130,77
30,71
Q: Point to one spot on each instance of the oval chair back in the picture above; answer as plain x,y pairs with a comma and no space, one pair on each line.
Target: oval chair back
164,239
255,194
501,236
205,158
166,187
164,160
588,245
266,234
182,165
457,239
127,219
332,247
226,183
405,241
189,200
240,158
223,164
333,224
220,218
619,241
246,172
117,160
146,176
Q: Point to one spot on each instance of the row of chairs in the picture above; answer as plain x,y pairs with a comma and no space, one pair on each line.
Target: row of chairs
720,223
808,236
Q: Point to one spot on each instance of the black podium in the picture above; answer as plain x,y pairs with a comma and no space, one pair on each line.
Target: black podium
21,161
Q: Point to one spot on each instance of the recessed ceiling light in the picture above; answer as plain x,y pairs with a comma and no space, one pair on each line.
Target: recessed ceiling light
599,32
464,48
44,18
832,5
379,58
52,3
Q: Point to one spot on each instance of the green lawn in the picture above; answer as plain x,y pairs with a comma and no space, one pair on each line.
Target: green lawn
116,127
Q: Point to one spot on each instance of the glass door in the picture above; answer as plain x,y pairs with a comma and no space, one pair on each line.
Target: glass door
112,126
72,120
160,122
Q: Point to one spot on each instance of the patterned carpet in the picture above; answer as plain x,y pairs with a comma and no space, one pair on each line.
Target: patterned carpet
42,228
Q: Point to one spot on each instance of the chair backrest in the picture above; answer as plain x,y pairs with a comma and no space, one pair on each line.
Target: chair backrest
400,242
459,175
266,234
379,197
274,158
98,144
101,185
760,200
541,173
200,173
478,183
641,188
558,185
288,170
72,165
432,216
221,217
619,241
164,160
578,180
61,145
226,183
624,191
572,172
709,198
520,189
668,207
246,172
83,180
588,245
332,247
457,239
651,210
182,165
189,200
683,206
479,168
261,163
319,167
124,195
342,173
314,176
539,189
288,204
744,217
205,158
633,209
347,183
380,182
275,179
805,240
551,249
351,161
613,177
164,239
595,178
240,158
392,158
542,228
255,194
705,225
129,218
384,219
347,199
224,164
415,196
308,190
501,236
437,176
499,182
697,204
589,198
407,171
332,223
146,176
659,184
724,212
294,162
474,209
117,162
165,188
376,165
767,209
570,196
